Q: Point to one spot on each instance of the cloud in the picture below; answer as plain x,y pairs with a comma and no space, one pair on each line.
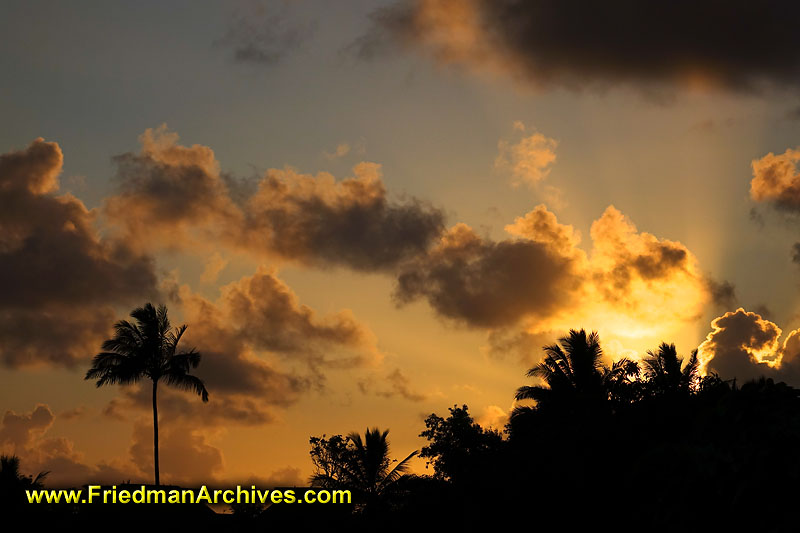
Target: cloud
184,455
262,34
398,385
170,195
316,220
776,180
261,351
174,196
213,266
59,278
20,430
745,345
528,160
25,435
630,284
572,44
493,417
342,149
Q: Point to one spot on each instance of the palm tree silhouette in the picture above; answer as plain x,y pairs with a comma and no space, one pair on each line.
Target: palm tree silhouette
13,483
572,371
147,349
664,373
363,466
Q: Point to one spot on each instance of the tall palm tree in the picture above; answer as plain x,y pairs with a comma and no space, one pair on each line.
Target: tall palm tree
147,349
361,465
571,371
664,373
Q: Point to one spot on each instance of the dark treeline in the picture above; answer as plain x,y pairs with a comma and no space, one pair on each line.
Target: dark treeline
639,445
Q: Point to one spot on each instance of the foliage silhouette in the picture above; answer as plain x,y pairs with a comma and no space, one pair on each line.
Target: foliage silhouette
360,465
458,445
13,483
148,349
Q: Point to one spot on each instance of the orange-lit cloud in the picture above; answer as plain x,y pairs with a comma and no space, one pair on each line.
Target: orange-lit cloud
174,196
528,160
59,278
632,283
574,44
776,179
25,435
185,457
745,345
261,351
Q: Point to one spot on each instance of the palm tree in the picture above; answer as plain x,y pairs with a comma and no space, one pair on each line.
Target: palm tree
664,374
361,465
572,371
147,349
13,483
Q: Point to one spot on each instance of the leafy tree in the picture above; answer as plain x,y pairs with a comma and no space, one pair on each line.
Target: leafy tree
148,349
458,444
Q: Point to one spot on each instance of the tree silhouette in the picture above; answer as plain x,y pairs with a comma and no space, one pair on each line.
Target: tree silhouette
458,446
361,465
573,372
13,483
664,373
147,349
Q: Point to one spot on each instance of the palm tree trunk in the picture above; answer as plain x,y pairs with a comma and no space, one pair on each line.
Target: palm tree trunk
155,431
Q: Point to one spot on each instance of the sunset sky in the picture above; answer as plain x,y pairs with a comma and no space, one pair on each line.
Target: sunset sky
366,212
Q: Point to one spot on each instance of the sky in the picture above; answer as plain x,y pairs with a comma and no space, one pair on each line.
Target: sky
367,212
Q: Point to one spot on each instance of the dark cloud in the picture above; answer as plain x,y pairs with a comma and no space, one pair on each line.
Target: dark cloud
394,384
541,280
740,344
20,430
175,196
261,351
744,345
757,218
737,45
793,114
520,345
485,283
264,33
723,293
351,223
58,277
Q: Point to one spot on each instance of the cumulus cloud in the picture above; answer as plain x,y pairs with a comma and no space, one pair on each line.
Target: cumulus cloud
776,180
185,456
541,280
170,195
739,46
175,196
25,435
528,160
57,274
745,345
261,351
